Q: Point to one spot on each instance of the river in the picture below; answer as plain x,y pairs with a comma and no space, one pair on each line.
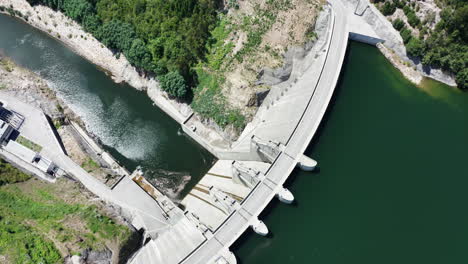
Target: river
392,177
134,131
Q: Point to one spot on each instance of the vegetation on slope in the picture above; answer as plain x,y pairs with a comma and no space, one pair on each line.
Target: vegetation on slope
250,37
197,49
10,174
445,45
42,223
157,36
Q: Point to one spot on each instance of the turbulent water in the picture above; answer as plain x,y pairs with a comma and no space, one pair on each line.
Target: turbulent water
124,119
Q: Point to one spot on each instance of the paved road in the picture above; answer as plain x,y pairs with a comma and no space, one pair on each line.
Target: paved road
280,170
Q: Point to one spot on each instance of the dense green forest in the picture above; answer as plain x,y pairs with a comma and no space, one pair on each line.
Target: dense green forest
446,46
165,37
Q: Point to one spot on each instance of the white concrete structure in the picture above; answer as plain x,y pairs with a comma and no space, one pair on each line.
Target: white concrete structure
219,192
294,143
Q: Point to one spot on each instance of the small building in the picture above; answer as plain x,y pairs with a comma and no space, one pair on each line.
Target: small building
45,165
31,157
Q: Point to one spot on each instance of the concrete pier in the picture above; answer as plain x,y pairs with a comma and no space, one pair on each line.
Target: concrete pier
306,163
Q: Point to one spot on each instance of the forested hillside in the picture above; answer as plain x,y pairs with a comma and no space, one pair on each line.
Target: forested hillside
157,36
436,34
207,52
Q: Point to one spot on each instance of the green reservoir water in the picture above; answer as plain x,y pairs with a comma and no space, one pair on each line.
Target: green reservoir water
124,119
392,183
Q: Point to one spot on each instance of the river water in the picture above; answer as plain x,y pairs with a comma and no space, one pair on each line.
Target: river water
391,187
130,127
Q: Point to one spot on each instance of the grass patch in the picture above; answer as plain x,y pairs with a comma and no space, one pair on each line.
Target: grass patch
10,174
8,65
89,165
210,103
30,222
29,144
217,47
208,100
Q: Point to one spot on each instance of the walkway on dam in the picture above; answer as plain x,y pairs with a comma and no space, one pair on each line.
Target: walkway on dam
287,160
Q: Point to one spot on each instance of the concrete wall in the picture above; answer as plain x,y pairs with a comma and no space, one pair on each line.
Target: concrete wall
365,39
99,151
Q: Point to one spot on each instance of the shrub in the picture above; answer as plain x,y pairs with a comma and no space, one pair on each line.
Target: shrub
174,84
388,9
414,47
462,79
398,24
407,9
398,3
405,34
413,20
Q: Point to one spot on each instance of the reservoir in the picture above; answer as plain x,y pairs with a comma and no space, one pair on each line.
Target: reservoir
134,131
392,177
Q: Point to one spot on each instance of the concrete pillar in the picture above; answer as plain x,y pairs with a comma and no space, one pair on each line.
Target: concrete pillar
285,196
259,227
306,163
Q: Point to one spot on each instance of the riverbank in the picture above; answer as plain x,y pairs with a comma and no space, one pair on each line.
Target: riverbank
410,72
27,87
67,31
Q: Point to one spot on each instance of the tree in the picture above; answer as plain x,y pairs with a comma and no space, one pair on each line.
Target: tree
414,47
117,35
139,55
405,34
462,79
413,19
398,24
388,9
174,84
77,9
91,23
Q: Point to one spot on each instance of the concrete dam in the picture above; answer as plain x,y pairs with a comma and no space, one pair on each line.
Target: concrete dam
251,171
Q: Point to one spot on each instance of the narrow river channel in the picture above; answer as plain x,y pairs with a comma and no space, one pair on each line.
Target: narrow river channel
392,182
130,127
